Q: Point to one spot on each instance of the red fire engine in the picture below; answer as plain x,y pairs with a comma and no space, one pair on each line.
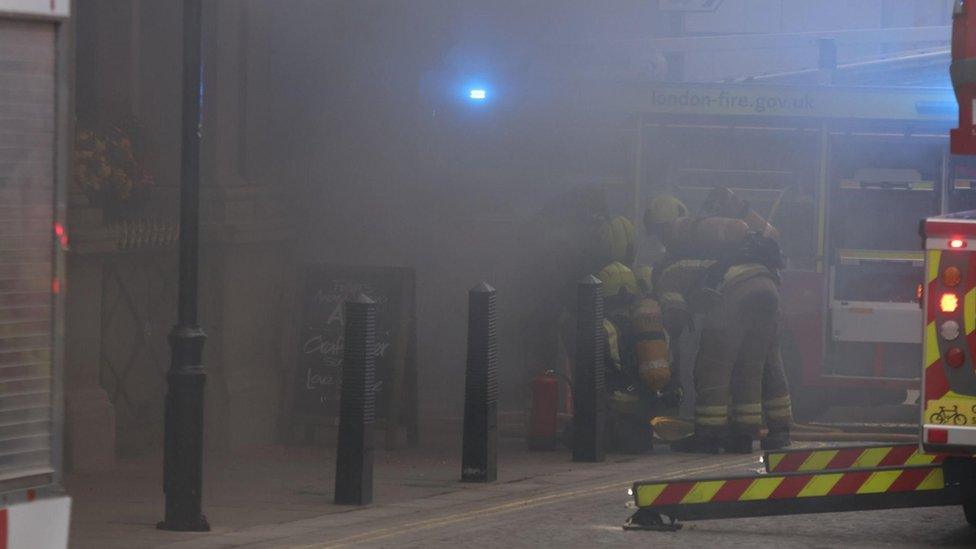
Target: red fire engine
939,471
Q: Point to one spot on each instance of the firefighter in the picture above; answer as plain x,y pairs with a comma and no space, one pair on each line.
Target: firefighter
637,365
777,408
718,266
618,246
617,241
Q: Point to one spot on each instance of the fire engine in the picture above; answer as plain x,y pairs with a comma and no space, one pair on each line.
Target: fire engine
836,169
941,469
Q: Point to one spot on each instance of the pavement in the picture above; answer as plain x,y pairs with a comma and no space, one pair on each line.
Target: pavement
281,496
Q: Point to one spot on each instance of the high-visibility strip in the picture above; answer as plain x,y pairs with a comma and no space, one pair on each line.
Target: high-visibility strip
969,311
932,481
675,492
820,485
871,457
732,489
785,486
712,410
703,491
761,488
649,493
777,402
755,408
849,483
747,419
780,413
773,461
818,461
908,455
932,261
827,459
711,415
879,482
936,382
932,355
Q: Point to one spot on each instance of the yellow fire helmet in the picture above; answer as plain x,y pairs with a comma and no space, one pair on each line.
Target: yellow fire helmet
617,240
663,210
617,278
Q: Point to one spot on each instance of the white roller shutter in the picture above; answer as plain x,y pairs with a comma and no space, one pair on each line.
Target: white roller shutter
27,156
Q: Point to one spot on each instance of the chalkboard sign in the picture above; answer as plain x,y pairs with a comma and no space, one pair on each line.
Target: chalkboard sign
316,386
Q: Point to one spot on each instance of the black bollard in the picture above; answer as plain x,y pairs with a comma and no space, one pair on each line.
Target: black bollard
354,461
589,404
479,461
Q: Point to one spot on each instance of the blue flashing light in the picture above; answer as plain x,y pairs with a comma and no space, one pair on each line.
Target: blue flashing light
477,94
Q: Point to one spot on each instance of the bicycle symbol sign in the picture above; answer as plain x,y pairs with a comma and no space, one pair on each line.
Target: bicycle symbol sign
945,416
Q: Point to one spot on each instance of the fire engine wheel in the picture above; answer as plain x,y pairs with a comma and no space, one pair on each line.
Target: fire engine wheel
970,510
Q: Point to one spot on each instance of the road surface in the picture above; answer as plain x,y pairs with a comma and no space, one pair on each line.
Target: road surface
585,507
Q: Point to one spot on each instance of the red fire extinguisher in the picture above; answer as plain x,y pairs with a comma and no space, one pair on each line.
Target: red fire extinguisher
542,419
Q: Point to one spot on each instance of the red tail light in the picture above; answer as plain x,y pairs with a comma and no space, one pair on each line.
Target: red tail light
955,357
938,436
951,277
957,243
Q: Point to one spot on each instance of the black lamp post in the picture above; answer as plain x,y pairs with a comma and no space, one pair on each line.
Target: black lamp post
183,461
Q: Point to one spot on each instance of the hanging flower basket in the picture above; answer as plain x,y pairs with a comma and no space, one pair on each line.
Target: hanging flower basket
107,171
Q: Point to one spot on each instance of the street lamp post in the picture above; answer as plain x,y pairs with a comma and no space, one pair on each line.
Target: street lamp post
183,460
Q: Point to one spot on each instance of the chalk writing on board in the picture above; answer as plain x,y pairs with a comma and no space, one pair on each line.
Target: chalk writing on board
322,339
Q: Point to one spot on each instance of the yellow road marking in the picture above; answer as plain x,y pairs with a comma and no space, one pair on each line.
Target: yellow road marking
505,508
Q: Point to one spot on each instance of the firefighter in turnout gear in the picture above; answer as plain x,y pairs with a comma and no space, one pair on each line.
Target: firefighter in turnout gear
718,267
637,362
777,408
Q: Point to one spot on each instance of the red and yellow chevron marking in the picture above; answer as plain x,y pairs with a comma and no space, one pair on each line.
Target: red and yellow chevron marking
969,305
784,486
937,393
826,459
936,383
